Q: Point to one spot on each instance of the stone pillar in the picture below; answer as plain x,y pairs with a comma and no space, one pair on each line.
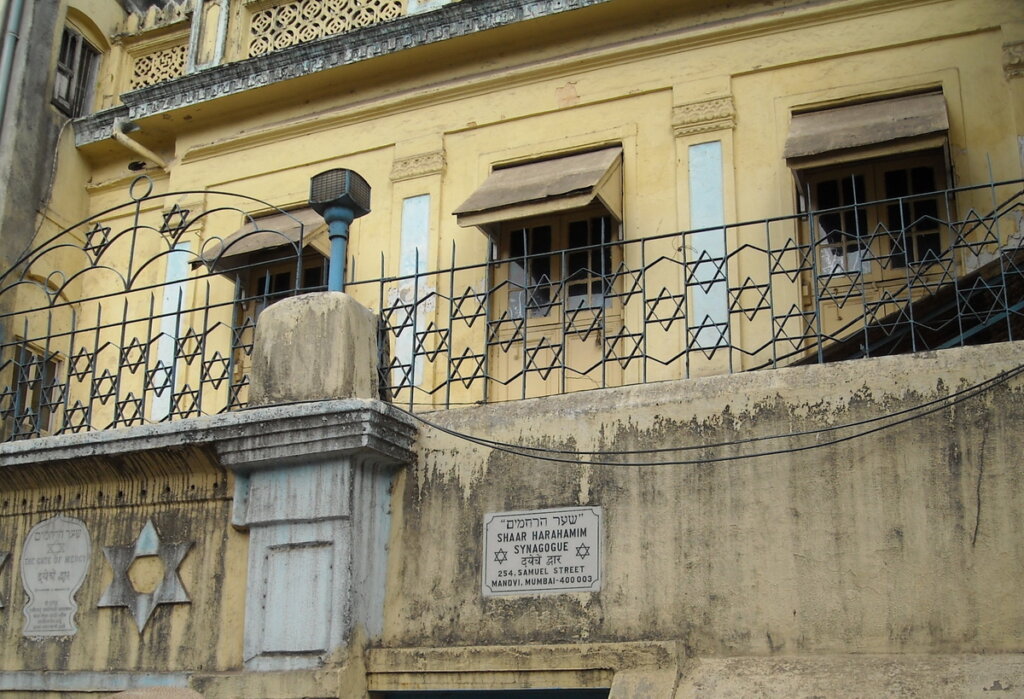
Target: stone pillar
313,489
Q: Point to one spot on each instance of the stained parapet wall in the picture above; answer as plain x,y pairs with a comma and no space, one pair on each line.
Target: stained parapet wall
856,507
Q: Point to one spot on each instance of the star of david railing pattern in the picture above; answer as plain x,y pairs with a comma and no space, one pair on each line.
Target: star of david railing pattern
147,312
140,314
750,295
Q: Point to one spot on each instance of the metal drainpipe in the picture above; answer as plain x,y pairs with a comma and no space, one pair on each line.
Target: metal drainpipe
10,44
338,219
119,128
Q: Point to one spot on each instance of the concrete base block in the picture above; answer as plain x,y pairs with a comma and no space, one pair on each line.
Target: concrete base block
314,347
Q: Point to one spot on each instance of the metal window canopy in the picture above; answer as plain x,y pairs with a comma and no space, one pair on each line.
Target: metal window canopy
300,226
915,122
546,187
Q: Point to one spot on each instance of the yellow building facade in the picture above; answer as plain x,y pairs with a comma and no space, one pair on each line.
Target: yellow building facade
707,206
654,198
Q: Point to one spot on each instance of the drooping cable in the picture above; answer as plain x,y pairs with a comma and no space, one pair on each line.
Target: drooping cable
909,414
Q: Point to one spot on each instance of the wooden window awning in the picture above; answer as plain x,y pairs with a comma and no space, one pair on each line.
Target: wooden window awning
301,227
911,120
547,187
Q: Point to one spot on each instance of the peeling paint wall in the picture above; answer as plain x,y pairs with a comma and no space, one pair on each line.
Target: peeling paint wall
901,541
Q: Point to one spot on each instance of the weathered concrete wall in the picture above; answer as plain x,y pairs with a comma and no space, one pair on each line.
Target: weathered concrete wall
906,540
186,494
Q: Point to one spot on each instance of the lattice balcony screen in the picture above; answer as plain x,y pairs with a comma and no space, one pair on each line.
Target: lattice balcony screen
159,66
299,21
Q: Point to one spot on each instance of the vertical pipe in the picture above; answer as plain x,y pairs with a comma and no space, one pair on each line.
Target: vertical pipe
10,44
338,218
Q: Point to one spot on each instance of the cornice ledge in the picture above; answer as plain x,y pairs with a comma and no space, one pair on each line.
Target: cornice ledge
704,116
449,22
369,428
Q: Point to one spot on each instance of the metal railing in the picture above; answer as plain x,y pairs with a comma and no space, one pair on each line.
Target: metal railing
125,319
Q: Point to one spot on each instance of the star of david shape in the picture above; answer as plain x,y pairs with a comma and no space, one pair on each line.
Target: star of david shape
740,298
76,418
188,346
128,411
401,374
241,335
175,221
705,272
801,253
623,347
105,387
97,238
133,355
496,328
534,360
158,379
582,551
474,366
440,335
215,370
3,559
236,392
185,403
476,307
81,363
576,322
500,556
122,593
619,280
675,303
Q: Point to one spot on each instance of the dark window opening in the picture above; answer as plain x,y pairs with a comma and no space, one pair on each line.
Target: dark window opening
558,261
876,218
37,391
76,73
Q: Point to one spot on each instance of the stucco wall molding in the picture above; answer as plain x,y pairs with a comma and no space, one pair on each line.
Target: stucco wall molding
419,165
704,116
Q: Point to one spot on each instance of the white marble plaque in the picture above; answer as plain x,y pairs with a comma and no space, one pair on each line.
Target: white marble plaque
54,562
542,551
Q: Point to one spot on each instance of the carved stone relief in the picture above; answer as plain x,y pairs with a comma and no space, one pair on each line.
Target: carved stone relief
704,116
123,593
54,562
418,165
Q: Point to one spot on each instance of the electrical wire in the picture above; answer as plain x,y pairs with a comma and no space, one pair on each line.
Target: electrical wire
802,433
918,411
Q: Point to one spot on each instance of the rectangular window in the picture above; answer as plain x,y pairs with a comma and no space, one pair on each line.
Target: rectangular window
558,262
37,394
76,73
273,282
878,217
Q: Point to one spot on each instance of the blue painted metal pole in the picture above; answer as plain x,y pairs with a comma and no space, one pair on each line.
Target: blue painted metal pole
338,218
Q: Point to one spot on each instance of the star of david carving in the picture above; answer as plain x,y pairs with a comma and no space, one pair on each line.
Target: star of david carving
582,551
122,592
500,556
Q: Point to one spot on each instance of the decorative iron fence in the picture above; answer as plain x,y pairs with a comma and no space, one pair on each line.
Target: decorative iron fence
146,311
929,271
